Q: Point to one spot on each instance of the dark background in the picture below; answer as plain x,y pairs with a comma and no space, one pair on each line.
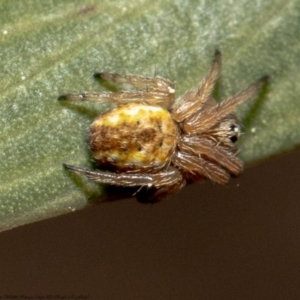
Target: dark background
240,241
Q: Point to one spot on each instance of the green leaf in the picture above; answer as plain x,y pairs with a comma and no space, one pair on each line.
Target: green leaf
49,48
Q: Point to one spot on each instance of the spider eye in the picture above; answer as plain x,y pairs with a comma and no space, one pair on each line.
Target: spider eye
234,139
232,127
235,132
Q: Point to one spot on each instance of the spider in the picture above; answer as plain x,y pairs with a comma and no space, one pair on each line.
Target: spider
144,142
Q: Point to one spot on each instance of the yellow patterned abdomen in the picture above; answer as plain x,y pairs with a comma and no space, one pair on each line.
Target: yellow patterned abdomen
133,137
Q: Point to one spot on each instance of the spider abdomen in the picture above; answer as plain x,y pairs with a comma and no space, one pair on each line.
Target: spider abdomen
133,137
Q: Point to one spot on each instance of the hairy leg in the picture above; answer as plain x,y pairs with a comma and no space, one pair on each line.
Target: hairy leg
121,98
159,91
191,102
153,195
223,156
196,165
149,83
198,123
163,178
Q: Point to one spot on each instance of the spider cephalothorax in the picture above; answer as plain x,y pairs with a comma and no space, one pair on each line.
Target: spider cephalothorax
144,142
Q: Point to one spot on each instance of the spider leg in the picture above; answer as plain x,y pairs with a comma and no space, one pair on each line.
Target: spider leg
210,116
163,178
153,195
191,102
148,83
198,166
120,98
159,91
199,145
